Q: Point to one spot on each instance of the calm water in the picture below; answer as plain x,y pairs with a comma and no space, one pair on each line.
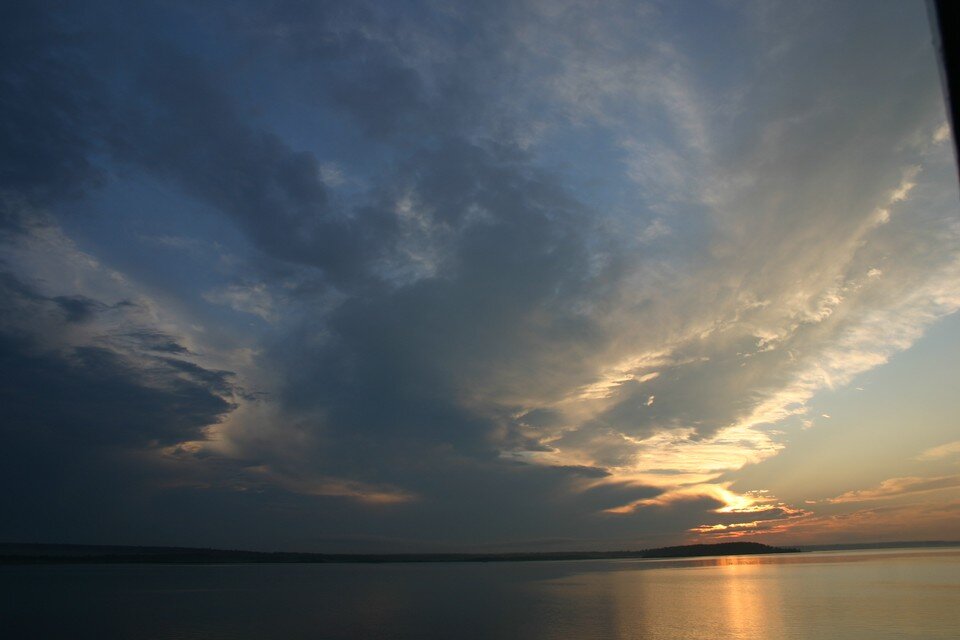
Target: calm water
867,594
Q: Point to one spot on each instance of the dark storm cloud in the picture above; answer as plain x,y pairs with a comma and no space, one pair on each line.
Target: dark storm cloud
402,380
94,395
189,133
77,308
400,358
154,340
75,418
381,97
49,111
182,127
506,250
359,61
88,394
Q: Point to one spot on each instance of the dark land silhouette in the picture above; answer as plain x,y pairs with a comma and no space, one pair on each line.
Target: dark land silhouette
102,554
12,553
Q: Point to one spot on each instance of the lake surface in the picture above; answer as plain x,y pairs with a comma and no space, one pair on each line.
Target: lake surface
871,595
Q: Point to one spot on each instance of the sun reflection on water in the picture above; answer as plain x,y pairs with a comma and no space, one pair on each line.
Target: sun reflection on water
864,595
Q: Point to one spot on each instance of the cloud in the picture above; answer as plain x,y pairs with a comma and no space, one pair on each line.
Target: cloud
50,114
572,283
887,523
942,451
895,487
254,299
132,390
368,494
73,416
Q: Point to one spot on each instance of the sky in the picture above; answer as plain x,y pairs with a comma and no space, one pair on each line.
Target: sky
476,276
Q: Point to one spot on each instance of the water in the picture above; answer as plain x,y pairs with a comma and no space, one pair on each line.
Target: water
871,595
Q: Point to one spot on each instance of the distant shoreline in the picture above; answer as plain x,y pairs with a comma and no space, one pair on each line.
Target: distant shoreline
94,554
50,554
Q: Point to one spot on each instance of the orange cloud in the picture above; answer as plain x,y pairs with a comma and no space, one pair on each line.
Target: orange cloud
371,494
884,523
943,451
894,487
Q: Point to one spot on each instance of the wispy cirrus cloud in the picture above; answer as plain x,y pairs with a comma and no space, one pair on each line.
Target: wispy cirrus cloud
948,450
896,487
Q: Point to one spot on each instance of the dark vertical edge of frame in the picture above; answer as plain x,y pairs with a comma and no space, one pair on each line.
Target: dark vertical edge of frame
944,18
